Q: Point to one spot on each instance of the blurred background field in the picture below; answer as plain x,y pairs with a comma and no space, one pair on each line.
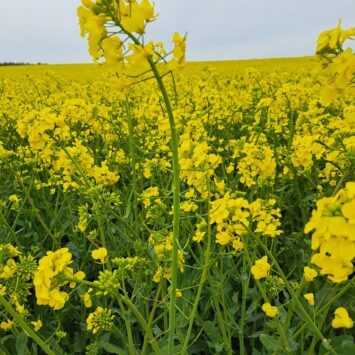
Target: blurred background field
95,71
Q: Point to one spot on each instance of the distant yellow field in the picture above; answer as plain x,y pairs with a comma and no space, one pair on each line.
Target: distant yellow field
93,71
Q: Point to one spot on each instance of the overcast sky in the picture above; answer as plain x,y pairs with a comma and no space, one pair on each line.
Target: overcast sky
47,31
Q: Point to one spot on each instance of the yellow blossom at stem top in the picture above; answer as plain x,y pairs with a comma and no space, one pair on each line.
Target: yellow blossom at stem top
269,310
46,281
37,325
87,299
6,325
342,319
261,268
310,298
100,254
309,274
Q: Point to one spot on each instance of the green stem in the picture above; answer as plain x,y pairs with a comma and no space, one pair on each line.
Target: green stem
132,154
202,280
176,207
280,328
131,307
219,314
151,318
131,346
245,288
176,195
37,214
26,328
293,295
318,311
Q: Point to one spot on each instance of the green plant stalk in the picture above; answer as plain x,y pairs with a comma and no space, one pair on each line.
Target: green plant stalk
245,288
37,214
317,312
130,306
132,154
293,295
176,207
102,236
176,195
291,309
283,337
219,314
223,303
131,346
315,338
151,318
26,328
202,281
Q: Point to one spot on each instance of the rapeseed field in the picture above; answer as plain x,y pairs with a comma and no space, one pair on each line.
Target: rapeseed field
153,206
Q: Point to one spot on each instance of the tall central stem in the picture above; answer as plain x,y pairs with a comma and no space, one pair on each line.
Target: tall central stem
176,206
176,195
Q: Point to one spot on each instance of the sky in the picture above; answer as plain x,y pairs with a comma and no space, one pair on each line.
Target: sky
47,31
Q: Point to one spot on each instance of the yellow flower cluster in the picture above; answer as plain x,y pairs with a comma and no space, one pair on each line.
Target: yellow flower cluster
197,164
257,164
342,319
50,277
261,268
270,310
233,217
162,245
97,19
340,63
333,223
16,271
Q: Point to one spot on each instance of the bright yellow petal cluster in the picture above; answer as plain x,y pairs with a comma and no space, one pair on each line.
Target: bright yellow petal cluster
100,254
47,278
333,223
342,319
261,268
310,298
309,274
37,325
269,310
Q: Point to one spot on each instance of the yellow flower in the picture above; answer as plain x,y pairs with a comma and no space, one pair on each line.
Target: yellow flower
261,268
45,278
269,310
342,319
310,298
199,236
113,52
14,199
20,308
158,275
237,244
6,325
37,325
223,238
87,299
309,274
2,290
178,293
100,254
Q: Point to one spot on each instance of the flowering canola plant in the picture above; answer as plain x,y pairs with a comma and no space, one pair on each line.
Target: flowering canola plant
157,208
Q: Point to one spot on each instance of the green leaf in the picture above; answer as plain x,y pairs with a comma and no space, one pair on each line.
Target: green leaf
110,348
342,345
21,343
271,343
